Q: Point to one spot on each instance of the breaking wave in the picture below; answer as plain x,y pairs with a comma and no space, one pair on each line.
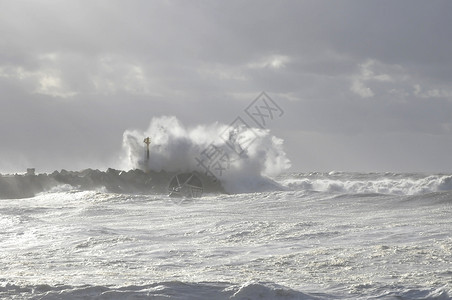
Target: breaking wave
368,183
242,158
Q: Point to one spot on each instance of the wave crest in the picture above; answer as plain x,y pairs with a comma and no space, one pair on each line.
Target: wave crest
242,158
380,183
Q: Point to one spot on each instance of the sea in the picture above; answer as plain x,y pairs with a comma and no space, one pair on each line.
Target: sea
333,235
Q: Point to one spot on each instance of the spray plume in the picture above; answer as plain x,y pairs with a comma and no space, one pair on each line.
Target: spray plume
244,157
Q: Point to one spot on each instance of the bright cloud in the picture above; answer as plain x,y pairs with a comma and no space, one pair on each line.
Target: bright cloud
46,81
368,74
272,62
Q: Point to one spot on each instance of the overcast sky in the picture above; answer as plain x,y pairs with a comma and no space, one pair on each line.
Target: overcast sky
364,85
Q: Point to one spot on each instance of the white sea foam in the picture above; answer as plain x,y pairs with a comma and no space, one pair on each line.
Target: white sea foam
247,156
294,244
371,183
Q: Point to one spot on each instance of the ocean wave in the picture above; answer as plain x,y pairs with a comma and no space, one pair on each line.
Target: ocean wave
229,158
240,157
415,294
207,291
162,290
370,183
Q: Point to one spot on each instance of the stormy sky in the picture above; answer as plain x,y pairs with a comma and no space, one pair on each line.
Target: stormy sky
364,85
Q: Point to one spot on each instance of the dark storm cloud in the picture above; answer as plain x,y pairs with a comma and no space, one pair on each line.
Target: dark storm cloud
90,70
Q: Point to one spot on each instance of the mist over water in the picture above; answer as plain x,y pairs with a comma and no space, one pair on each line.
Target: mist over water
242,158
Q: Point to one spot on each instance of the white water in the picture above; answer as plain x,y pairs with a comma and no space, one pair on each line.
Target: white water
247,155
298,236
301,243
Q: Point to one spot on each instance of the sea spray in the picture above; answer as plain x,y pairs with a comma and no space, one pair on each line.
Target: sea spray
253,155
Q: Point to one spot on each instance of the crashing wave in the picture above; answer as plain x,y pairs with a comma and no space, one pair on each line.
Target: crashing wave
242,158
227,158
369,183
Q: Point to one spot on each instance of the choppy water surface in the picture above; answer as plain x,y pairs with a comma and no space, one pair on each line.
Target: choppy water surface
325,236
